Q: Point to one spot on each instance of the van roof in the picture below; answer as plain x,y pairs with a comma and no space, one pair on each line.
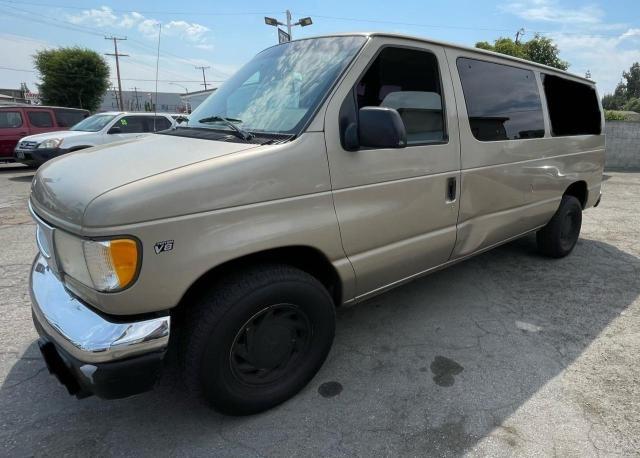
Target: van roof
454,45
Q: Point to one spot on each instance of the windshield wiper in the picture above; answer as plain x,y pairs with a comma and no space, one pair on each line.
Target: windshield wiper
229,122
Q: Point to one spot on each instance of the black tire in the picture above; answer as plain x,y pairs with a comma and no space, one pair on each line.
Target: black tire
256,338
559,236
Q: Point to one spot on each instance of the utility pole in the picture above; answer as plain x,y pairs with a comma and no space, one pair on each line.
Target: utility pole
117,55
135,90
204,78
519,33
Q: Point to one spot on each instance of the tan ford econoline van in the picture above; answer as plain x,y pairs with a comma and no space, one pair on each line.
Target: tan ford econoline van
325,171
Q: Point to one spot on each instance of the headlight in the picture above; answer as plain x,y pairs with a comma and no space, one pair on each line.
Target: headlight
104,265
112,264
51,143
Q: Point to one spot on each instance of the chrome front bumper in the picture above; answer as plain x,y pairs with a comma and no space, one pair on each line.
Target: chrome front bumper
86,335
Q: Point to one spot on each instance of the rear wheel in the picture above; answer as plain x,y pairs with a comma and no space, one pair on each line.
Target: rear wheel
257,338
561,233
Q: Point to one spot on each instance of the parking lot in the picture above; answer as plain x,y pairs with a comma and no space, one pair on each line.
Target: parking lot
506,354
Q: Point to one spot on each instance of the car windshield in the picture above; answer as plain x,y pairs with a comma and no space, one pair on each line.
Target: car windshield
280,88
93,123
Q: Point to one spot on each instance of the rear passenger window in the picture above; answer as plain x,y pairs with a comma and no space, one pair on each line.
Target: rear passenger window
133,124
162,123
407,80
503,102
573,107
66,118
40,118
10,119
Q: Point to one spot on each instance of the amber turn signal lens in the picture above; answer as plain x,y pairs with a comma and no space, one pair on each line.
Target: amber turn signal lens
124,257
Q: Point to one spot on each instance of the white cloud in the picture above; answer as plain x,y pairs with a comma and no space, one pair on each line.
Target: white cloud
191,31
605,57
105,17
148,28
204,46
100,17
551,11
130,19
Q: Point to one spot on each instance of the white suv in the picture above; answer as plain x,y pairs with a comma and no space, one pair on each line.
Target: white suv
95,130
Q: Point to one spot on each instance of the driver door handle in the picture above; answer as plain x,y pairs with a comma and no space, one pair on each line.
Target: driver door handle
452,185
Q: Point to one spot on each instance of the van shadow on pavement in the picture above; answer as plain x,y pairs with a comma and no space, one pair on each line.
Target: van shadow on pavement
432,367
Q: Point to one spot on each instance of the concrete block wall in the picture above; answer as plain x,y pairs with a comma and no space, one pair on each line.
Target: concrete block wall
623,145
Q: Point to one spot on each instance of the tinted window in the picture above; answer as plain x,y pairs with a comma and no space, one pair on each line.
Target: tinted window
573,107
502,101
132,124
408,81
9,119
66,118
40,118
162,123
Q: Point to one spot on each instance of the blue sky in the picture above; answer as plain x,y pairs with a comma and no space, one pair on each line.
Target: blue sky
600,36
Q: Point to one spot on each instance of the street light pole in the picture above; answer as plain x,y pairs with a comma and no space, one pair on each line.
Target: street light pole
305,21
288,13
186,92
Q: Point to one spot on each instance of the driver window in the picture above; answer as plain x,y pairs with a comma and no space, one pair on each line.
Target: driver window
408,81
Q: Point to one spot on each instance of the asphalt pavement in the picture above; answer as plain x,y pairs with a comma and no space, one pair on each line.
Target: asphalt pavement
505,354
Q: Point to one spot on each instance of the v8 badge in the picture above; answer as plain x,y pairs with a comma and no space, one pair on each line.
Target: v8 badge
165,245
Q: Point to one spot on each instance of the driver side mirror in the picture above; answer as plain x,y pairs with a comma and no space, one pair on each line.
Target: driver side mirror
378,127
115,130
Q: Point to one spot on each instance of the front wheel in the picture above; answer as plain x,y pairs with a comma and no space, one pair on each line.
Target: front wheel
257,338
561,233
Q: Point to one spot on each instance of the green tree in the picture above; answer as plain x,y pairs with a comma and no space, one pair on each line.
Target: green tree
504,46
632,104
72,77
616,100
632,78
626,91
539,49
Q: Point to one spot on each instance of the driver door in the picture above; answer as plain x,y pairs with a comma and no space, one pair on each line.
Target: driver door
397,208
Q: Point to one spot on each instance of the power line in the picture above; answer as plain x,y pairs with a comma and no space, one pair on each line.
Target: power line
92,31
116,10
454,27
83,75
335,18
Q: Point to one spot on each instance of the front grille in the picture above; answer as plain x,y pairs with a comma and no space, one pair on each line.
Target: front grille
27,145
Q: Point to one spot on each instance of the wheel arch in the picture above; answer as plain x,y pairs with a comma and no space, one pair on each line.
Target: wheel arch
579,190
305,258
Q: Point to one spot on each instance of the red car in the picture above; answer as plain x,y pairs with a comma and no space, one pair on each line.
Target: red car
22,120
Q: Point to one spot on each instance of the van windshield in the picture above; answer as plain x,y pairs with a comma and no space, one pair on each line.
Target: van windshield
93,123
280,88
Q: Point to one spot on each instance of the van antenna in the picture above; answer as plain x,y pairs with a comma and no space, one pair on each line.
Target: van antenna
155,105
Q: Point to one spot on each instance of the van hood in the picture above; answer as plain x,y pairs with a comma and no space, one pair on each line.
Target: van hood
56,134
63,188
